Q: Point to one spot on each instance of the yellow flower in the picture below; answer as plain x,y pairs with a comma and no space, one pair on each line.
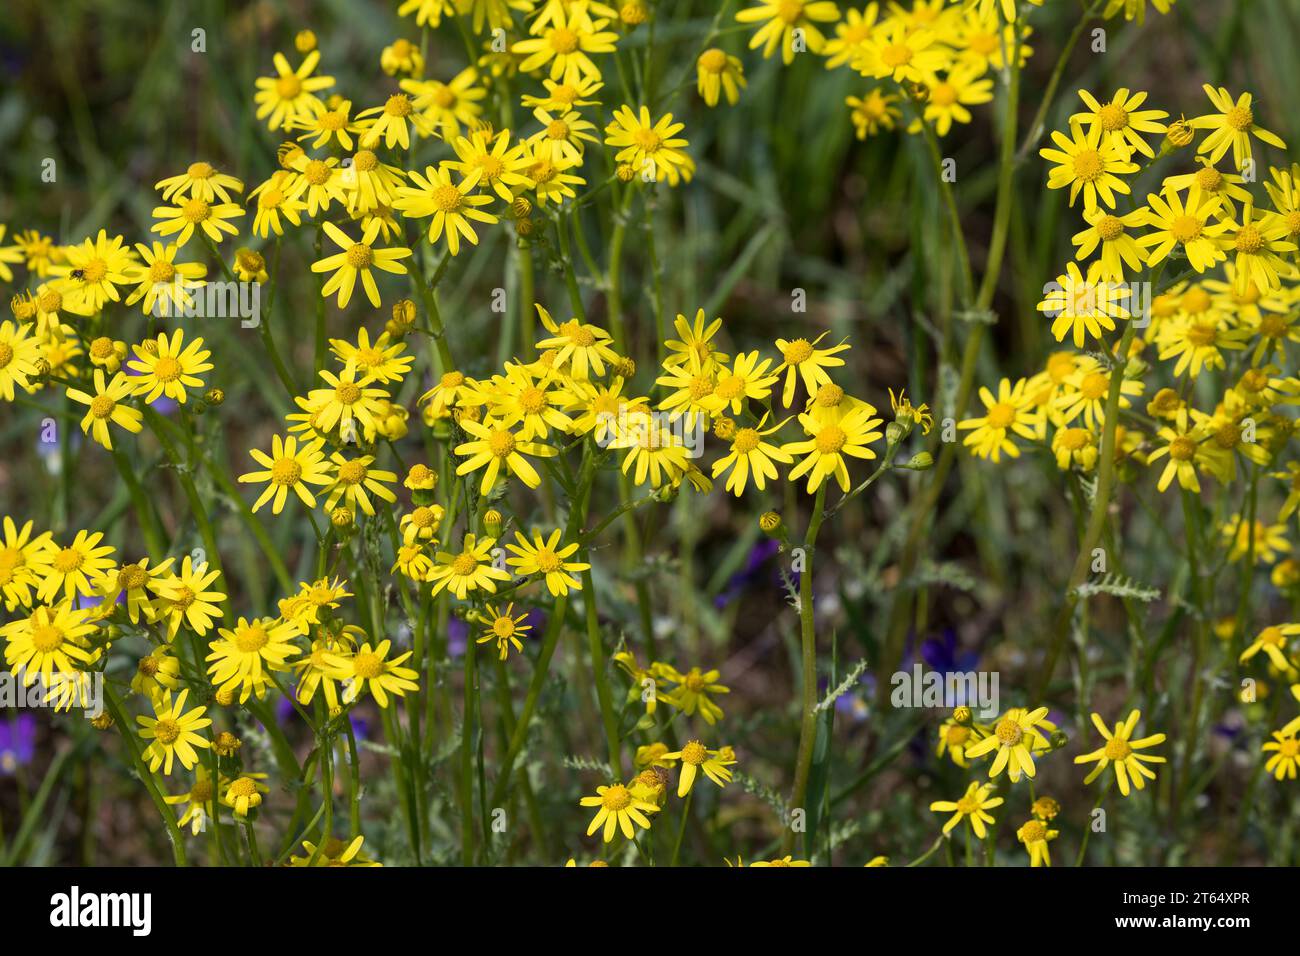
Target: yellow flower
619,810
500,450
199,181
273,201
357,257
1121,121
693,691
94,270
198,802
948,97
809,362
747,378
1258,243
290,94
972,807
130,583
368,669
1119,750
191,214
19,354
245,793
106,406
185,597
1015,736
504,628
651,148
562,137
872,113
830,441
750,456
719,72
1268,540
451,105
349,400
328,123
581,348
167,369
451,206
353,479
1188,224
164,284
566,43
24,562
1035,835
1273,642
156,672
172,732
780,861
288,468
470,570
502,168
1286,752
545,557
1232,126
781,18
244,657
1118,248
53,640
696,757
1009,413
1087,164
333,852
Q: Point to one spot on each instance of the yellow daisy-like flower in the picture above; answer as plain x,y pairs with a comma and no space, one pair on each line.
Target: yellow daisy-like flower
502,168
1272,641
802,359
156,672
289,467
655,452
243,657
693,690
130,584
1035,835
387,123
1175,222
199,181
198,802
24,562
545,557
1122,121
1259,243
334,852
949,96
504,628
750,456
1119,750
566,44
184,597
245,793
167,369
452,206
695,757
1015,736
1118,247
452,105
619,810
781,19
273,201
580,348
830,442
165,284
52,640
355,480
94,270
470,570
651,147
1285,761
973,807
369,669
1269,541
1009,413
1088,164
173,733
873,112
500,450
106,407
357,258
747,378
184,217
290,94
19,354
718,72
328,124
1232,126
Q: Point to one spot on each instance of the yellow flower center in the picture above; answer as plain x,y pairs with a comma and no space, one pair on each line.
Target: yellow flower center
713,60
288,87
1113,117
1289,748
616,798
1001,415
167,730
1272,635
167,369
1186,228
162,271
1094,385
367,666
547,561
985,44
746,440
1033,832
503,627
286,471
49,301
201,792
196,211
557,129
1182,448
333,120
647,139
102,406
1110,228
464,564
1240,118
967,805
1009,732
94,271
447,198
532,400
830,439
360,256
352,472
797,352
1195,300
1073,439
251,639
399,104
200,171
243,787
347,393
694,753
1117,749
895,55
502,443
956,735
452,380
1249,240
1088,165
491,166
147,666
943,94
46,638
316,172
1202,334
829,395
563,40
131,577
1228,435
1209,179
270,199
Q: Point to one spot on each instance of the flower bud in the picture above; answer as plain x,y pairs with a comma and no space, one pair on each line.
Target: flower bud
305,41
922,461
214,397
492,522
